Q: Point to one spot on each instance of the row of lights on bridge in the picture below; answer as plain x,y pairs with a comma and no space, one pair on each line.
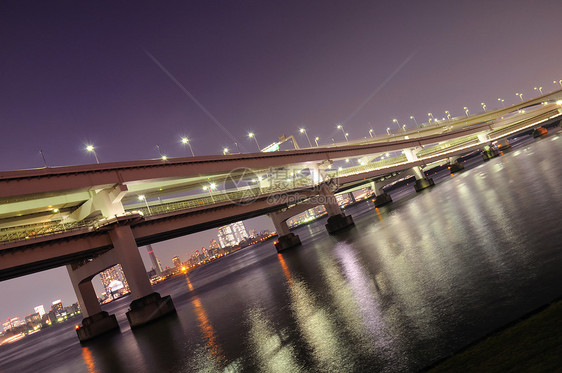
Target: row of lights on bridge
431,118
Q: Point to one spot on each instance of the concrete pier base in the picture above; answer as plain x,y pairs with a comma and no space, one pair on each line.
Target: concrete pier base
339,222
382,199
287,241
421,184
149,308
96,325
456,167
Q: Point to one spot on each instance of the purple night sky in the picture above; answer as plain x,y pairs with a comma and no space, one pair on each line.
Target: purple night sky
109,74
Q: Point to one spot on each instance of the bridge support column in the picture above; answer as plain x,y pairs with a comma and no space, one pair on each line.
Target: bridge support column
381,197
483,137
454,165
337,220
286,239
146,305
96,322
422,181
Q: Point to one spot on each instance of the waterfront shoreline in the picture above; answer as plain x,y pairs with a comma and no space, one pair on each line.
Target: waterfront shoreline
528,342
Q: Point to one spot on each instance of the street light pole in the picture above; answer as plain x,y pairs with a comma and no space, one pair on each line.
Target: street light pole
316,140
302,130
430,117
162,156
340,127
520,95
466,111
91,148
415,121
252,135
371,131
483,106
210,189
397,123
143,198
185,140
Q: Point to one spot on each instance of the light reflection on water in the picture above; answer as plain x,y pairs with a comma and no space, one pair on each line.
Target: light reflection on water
412,282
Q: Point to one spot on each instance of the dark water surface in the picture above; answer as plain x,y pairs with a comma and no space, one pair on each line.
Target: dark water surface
410,284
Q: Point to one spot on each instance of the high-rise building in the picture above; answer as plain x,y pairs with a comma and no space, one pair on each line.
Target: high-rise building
232,234
57,307
33,319
40,310
155,262
214,245
176,261
114,281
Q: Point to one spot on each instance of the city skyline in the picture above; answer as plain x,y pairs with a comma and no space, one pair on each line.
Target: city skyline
63,290
132,82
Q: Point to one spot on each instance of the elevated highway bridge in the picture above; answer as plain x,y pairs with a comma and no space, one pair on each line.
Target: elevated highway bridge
92,217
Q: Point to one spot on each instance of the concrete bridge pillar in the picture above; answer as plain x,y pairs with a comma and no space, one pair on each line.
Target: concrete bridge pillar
337,220
483,137
422,181
96,322
286,239
146,305
381,197
410,154
454,165
106,201
317,174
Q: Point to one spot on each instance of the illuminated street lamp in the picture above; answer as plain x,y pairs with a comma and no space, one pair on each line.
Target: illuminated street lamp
316,140
397,123
91,148
404,127
538,89
371,131
185,141
388,130
143,198
414,118
430,117
253,136
448,114
224,151
60,217
502,101
302,130
520,95
162,156
465,111
559,82
483,106
346,134
210,188
340,127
